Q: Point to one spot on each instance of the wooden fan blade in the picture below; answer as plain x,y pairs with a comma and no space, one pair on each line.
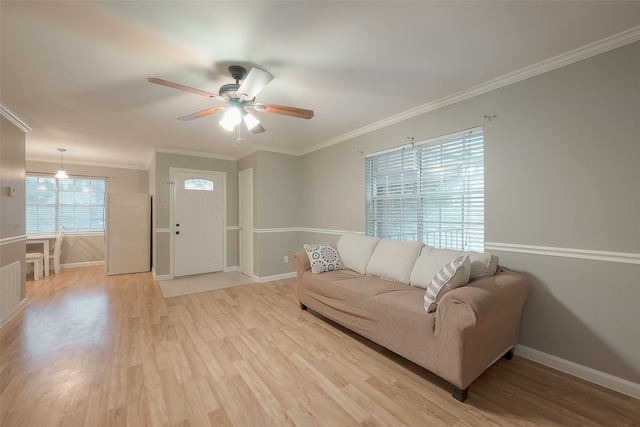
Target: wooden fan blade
257,129
181,87
285,111
199,114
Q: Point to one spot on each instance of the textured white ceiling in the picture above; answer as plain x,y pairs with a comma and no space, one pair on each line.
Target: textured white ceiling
76,72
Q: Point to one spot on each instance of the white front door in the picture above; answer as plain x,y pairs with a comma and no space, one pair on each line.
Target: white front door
245,185
198,222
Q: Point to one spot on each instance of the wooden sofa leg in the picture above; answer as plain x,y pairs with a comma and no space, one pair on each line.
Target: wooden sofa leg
458,394
302,306
508,355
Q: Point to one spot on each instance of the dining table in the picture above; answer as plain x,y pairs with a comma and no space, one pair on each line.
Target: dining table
45,241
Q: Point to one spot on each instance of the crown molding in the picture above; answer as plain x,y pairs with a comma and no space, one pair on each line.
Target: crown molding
193,153
626,37
13,118
86,163
256,148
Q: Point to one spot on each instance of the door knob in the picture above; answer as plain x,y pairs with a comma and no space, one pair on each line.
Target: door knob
177,232
177,225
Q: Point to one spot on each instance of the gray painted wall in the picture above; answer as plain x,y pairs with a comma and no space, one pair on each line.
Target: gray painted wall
12,209
276,205
561,170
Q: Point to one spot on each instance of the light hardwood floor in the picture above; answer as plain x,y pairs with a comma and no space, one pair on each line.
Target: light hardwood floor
92,350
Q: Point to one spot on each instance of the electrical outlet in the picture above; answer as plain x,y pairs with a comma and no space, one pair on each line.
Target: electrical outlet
286,259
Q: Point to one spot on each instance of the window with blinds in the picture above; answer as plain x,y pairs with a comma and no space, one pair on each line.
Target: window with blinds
432,191
78,204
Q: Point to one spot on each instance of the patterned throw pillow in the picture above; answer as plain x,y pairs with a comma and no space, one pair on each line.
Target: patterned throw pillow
451,276
323,258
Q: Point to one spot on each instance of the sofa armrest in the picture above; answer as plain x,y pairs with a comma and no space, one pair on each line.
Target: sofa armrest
477,323
301,262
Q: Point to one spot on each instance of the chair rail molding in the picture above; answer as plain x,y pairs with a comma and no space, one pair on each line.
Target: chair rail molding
621,257
303,229
14,239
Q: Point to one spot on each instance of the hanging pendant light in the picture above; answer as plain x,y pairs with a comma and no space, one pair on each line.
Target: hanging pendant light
61,173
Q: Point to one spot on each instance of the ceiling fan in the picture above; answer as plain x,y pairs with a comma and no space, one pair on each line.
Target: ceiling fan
240,99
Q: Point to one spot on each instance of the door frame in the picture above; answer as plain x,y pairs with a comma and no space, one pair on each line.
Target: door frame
246,174
172,230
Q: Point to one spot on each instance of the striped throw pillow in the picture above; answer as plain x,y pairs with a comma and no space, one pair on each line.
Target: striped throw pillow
451,276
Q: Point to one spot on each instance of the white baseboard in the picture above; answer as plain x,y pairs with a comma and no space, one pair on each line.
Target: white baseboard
588,374
80,264
230,269
272,278
22,304
159,277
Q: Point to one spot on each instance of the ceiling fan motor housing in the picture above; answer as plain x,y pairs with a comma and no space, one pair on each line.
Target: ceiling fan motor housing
237,72
229,91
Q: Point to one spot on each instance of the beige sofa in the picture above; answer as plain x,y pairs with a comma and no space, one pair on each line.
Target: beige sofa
377,289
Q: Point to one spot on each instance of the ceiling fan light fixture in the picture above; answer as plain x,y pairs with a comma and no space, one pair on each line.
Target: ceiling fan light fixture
232,117
251,121
61,173
238,96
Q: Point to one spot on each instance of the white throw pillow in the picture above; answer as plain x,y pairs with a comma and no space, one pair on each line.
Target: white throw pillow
355,250
394,260
451,276
482,265
323,258
431,260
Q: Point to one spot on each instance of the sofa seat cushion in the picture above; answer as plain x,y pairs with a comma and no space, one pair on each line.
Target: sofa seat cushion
349,285
401,319
386,312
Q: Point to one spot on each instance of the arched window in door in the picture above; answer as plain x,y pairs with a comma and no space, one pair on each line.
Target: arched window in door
198,185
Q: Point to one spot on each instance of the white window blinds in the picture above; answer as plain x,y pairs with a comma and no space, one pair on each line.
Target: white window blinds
432,191
78,204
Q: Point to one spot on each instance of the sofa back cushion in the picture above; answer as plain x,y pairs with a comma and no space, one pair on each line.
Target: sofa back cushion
431,260
394,260
355,250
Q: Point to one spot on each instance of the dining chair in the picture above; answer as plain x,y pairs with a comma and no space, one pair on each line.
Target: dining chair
37,259
57,249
